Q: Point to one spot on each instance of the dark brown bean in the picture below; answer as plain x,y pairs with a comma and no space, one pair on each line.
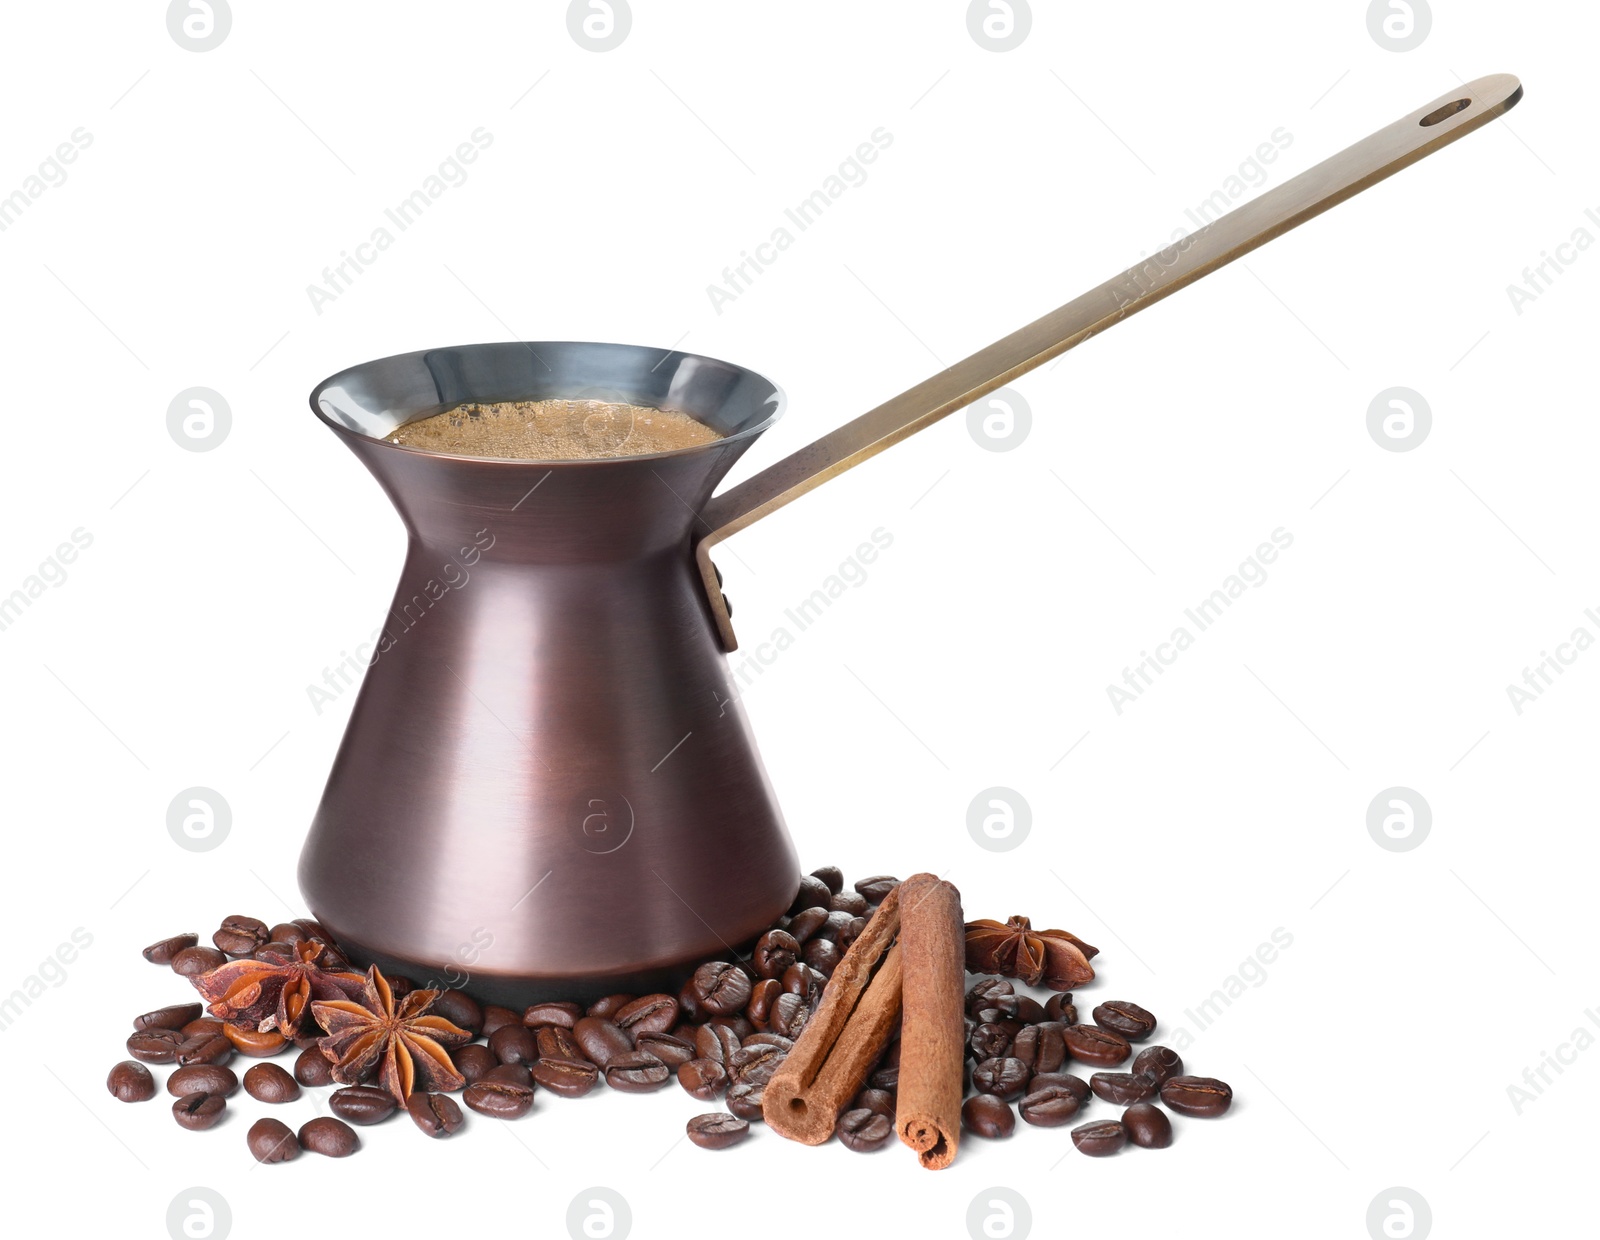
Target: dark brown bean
130,1081
1049,1107
1100,1138
744,1099
288,933
240,936
272,1141
567,1078
155,1045
495,1017
813,891
832,877
332,1138
838,922
721,988
474,1061
267,1082
636,1073
879,1100
362,1104
1095,1045
863,1130
851,902
704,1079
1075,1085
770,1039
807,923
460,1009
823,955
715,1042
602,1040
849,934
774,952
1005,1078
197,1112
174,1017
514,1044
254,1042
313,1068
499,1099
204,1048
436,1114
755,1062
510,1074
561,1015
789,1016
648,1014
689,1005
193,961
208,1025
608,1006
1159,1063
1122,1088
555,1042
668,1048
876,887
736,1025
987,1116
717,1131
989,1040
986,994
1128,1019
163,950
203,1078
1061,1007
763,995
1148,1126
1203,1097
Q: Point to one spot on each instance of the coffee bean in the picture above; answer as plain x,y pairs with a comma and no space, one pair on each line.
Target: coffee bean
763,995
568,1078
510,1074
850,933
1004,1078
1049,1107
602,1040
838,922
689,1004
755,1062
497,1018
163,950
174,1017
362,1104
715,1042
474,1061
1128,1019
831,877
208,1025
608,1006
704,1079
721,988
879,1100
774,952
801,979
332,1138
560,1015
669,1049
240,936
813,892
806,923
989,1040
1061,1007
1122,1088
717,1131
648,1014
155,1045
310,1035
131,1082
770,1039
253,1042
1101,1138
636,1073
203,1078
267,1082
272,1141
985,993
198,1111
289,933
1204,1097
863,1130
204,1048
514,1044
876,887
270,949
193,961
1148,1126
460,1009
436,1114
313,929
823,955
1159,1063
851,902
313,1068
1052,1052
744,1099
1095,1045
789,1016
499,1099
554,1042
987,1116
1075,1085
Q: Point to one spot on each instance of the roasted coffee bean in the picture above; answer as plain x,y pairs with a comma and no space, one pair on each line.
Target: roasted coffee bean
648,1014
174,1017
568,1078
849,934
1095,1045
272,1141
774,952
399,986
130,1081
754,1064
879,1100
1061,1007
253,1042
203,1078
636,1073
495,1017
155,1045
273,948
987,1116
459,1008
1122,1088
832,877
1159,1063
314,1069
721,988
669,1049
602,1040
769,1038
863,1130
193,961
1025,1046
876,887
886,1075
1148,1126
554,1042
1203,1097
763,995
736,1025
332,1138
1100,1138
1006,1021
163,950
510,1074
985,992
514,1044
1052,1051
473,1061
310,1034
204,1048
240,936
1004,1078
436,1114
198,1111
1030,1011
499,1099
838,921
989,1040
553,1014
362,1104
744,1099
806,923
1050,1107
608,1006
1075,1085
801,979
715,1042
1128,1019
208,1025
704,1079
288,932
789,1016
313,929
852,902
717,1131
267,1082
689,1005
813,892
823,955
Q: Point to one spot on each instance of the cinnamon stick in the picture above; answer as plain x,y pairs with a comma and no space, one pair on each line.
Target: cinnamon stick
932,1033
844,1037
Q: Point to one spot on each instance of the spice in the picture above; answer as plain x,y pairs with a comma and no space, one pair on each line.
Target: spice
1050,958
409,1048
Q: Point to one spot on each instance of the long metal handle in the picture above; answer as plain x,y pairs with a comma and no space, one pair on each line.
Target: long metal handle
1258,221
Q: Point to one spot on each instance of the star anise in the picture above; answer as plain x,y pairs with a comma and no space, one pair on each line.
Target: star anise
409,1048
1053,958
274,989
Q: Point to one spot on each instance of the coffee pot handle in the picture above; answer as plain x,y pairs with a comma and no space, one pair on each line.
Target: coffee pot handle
1434,125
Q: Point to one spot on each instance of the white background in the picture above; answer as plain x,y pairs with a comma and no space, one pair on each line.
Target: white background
1227,802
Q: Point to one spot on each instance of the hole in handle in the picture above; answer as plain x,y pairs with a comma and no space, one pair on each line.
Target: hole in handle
1446,112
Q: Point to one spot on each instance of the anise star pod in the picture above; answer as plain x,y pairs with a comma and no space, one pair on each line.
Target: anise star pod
1051,958
274,989
408,1047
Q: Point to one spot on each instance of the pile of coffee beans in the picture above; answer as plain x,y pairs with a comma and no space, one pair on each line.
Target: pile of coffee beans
720,1038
